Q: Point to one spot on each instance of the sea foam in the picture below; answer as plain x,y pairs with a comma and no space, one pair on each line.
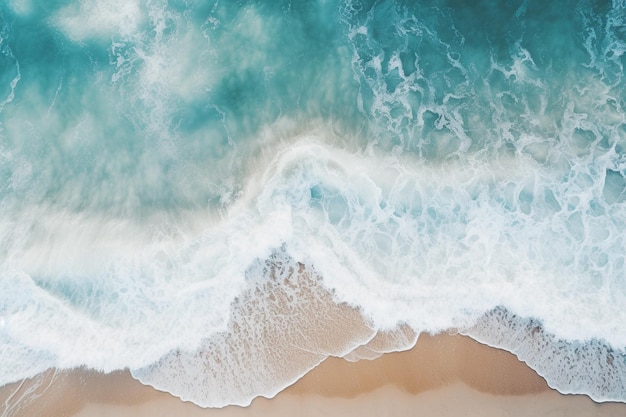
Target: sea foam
434,258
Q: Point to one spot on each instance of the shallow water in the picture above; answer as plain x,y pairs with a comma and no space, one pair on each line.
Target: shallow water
434,164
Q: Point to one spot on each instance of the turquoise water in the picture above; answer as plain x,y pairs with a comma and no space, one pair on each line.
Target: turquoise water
436,164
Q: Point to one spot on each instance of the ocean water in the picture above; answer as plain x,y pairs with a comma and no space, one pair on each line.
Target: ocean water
218,195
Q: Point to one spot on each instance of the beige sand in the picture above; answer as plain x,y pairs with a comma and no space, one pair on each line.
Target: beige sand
442,375
453,400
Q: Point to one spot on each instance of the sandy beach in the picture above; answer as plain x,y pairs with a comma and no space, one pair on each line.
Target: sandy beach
443,375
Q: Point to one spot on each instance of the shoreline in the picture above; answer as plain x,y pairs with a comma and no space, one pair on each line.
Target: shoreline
442,375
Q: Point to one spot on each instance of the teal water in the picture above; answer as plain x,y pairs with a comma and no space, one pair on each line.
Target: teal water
440,164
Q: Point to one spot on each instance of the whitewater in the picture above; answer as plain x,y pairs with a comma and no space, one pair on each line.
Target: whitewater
219,195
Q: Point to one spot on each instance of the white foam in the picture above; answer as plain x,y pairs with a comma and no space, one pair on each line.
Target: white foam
5,50
451,237
592,368
21,7
126,295
430,246
88,19
282,326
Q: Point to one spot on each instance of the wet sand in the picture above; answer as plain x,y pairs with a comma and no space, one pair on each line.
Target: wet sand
442,375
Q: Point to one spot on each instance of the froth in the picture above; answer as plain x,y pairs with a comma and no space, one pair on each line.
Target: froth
93,19
591,367
22,7
485,233
429,246
281,326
